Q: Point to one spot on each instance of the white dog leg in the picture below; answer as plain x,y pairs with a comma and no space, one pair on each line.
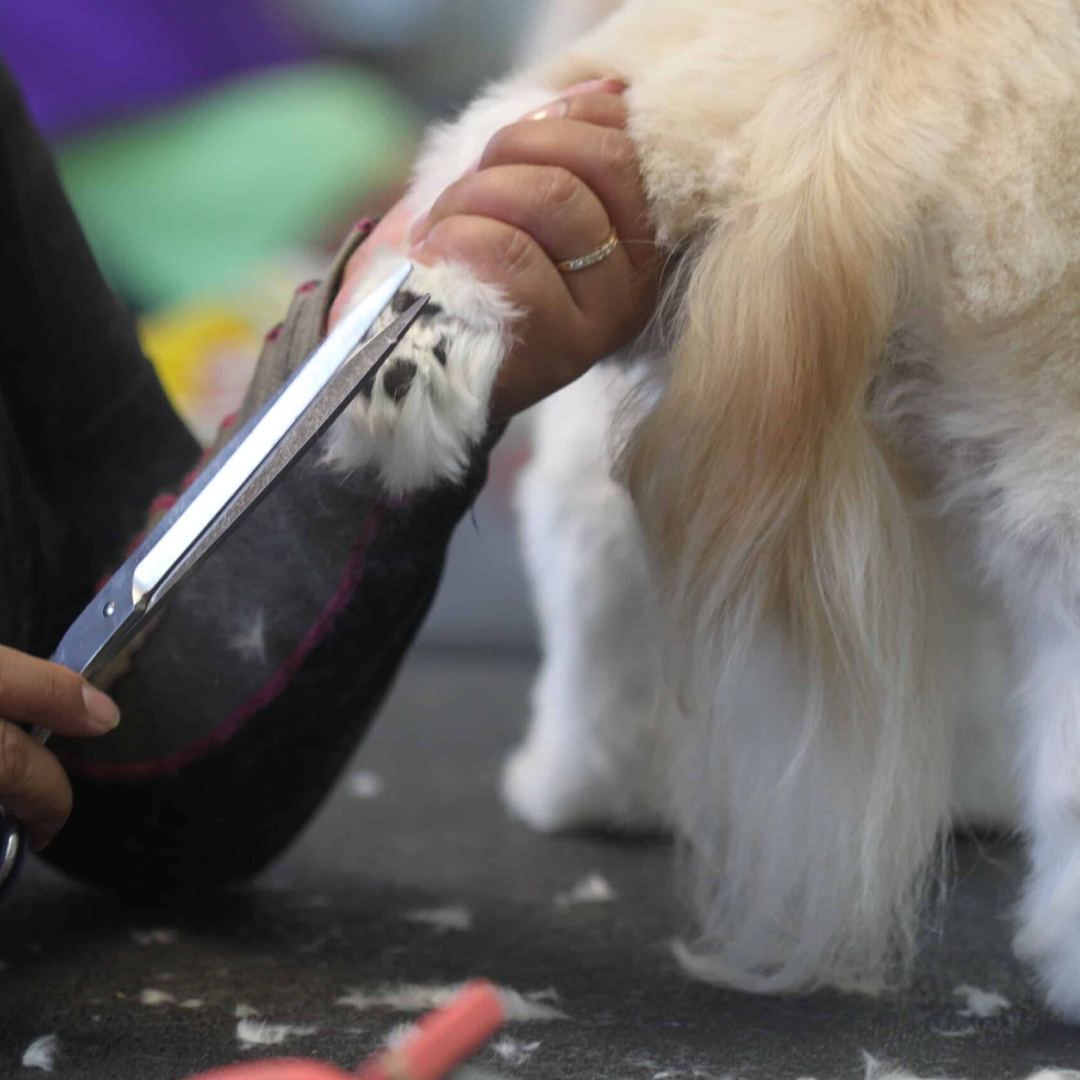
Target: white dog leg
979,674
594,755
1049,931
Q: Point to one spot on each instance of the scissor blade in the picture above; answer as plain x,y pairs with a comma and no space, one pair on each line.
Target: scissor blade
358,370
120,608
192,516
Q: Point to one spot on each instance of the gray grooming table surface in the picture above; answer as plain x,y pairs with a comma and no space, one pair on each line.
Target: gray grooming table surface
328,918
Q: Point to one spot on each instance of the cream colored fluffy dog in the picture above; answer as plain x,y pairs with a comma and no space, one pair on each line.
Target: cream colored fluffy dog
808,564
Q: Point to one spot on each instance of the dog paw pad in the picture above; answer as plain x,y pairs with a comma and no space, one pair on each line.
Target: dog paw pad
398,380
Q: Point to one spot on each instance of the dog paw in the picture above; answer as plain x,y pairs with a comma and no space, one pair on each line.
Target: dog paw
1058,976
1049,940
428,405
562,792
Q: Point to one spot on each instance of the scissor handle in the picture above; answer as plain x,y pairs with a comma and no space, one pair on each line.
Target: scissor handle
13,833
12,851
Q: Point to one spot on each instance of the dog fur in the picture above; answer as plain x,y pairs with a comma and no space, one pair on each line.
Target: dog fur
808,564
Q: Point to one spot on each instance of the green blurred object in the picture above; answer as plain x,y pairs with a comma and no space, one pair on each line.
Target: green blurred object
190,199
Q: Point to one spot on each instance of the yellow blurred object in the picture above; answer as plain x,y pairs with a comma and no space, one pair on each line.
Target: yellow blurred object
204,355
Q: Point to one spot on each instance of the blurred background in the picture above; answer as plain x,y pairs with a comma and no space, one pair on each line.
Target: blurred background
216,153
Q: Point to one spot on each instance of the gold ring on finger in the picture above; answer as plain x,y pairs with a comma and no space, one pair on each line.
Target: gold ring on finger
590,258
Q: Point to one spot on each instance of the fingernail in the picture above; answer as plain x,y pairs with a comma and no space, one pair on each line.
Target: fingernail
102,710
596,86
549,112
561,106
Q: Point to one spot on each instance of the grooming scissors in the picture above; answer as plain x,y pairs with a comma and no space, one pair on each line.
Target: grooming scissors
230,485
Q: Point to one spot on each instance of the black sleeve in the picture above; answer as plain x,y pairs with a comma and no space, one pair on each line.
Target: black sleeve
247,700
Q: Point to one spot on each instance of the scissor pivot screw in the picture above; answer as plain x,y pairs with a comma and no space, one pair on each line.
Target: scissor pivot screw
109,610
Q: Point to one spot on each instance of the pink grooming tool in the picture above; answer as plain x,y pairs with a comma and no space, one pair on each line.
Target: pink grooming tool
443,1040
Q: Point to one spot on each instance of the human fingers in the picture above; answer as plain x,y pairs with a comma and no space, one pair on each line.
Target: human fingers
550,204
599,102
33,785
34,691
603,158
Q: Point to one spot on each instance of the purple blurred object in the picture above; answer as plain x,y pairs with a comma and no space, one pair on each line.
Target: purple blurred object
82,62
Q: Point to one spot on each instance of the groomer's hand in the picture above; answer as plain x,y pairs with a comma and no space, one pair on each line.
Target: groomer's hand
33,786
548,188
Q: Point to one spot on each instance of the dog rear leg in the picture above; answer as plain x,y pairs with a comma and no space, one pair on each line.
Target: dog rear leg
594,754
1049,932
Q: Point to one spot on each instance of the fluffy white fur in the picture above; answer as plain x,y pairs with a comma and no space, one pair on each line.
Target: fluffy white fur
596,753
422,431
816,595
